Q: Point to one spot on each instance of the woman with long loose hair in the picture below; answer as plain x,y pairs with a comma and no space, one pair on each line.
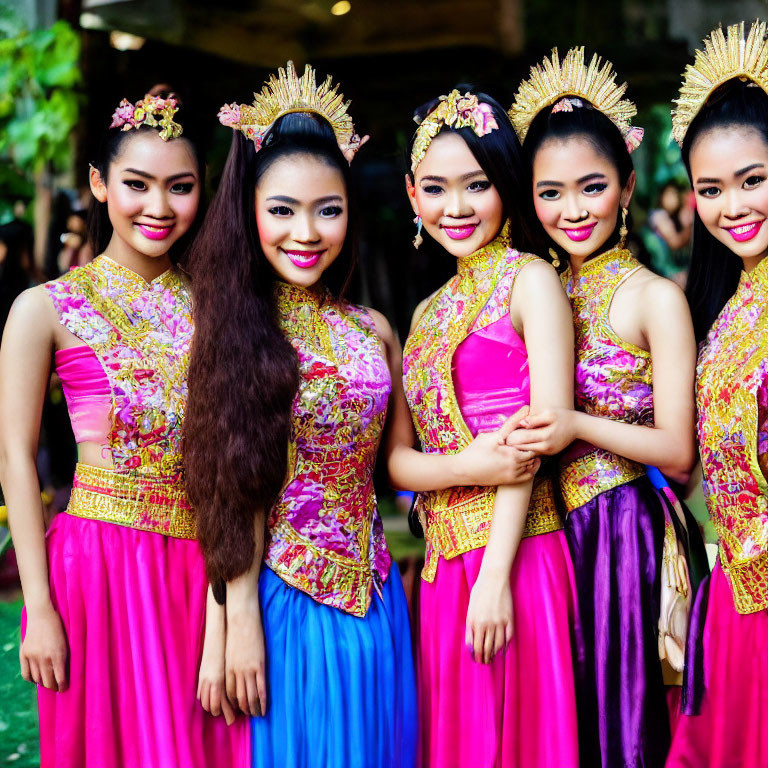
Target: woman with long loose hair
289,394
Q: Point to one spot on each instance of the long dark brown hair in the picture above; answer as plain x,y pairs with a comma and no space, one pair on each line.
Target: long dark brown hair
243,372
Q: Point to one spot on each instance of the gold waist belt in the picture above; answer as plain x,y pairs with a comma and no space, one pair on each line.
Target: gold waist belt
464,524
586,477
155,504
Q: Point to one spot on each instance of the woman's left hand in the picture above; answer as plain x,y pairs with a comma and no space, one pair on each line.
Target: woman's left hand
546,433
490,617
211,683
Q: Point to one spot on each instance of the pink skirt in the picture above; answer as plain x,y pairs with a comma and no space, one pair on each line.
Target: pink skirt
519,711
133,608
730,731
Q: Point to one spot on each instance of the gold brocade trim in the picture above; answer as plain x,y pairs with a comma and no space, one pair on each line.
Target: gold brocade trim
586,477
154,504
749,582
347,582
437,418
464,523
591,293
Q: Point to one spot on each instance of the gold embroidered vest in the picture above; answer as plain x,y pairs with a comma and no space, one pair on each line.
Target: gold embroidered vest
458,520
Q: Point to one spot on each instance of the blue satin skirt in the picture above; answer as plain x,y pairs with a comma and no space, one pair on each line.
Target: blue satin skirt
341,689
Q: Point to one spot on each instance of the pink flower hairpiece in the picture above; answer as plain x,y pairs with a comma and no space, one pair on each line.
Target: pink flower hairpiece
457,111
152,111
633,136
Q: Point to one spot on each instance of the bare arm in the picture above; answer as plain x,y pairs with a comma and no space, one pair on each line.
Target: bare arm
211,684
486,461
245,647
669,444
540,310
25,356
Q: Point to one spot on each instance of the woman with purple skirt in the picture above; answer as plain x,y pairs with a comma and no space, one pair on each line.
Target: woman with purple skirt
635,357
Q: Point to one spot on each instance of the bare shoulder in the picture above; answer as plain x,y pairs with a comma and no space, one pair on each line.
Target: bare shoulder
537,280
383,328
538,272
655,292
32,305
32,317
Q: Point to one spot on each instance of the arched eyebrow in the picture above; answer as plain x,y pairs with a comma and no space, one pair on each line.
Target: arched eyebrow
319,201
149,176
741,172
443,180
581,180
749,168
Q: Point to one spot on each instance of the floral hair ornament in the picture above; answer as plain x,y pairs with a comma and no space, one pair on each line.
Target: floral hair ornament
726,56
288,93
456,111
153,111
569,85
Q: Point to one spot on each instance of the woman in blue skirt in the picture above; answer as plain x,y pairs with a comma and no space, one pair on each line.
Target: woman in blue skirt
318,642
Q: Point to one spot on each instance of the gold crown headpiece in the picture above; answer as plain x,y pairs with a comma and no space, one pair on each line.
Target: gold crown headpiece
552,82
288,93
724,58
454,110
151,110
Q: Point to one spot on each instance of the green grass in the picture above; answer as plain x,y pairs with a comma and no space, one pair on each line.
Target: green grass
19,745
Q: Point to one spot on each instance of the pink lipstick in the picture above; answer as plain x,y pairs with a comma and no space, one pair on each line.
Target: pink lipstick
460,233
155,233
580,233
304,259
745,232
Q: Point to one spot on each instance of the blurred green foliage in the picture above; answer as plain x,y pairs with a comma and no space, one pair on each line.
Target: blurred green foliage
39,104
18,716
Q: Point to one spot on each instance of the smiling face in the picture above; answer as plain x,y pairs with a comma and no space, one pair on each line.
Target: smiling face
152,192
301,216
458,205
577,195
729,168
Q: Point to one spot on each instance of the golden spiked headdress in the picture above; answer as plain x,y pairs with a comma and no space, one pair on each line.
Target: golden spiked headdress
288,93
154,111
455,110
725,57
552,82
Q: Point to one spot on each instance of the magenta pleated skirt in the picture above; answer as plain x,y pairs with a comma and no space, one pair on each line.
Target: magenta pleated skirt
730,731
133,608
519,711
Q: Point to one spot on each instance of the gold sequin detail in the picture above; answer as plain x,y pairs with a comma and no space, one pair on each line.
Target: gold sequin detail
586,477
457,523
154,504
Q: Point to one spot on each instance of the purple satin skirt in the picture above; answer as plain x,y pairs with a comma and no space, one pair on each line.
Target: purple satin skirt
616,544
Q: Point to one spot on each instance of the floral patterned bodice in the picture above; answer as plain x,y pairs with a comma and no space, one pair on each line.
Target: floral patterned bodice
613,377
325,534
732,412
141,334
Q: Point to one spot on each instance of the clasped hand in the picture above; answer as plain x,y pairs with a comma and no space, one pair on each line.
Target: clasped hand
543,434
489,460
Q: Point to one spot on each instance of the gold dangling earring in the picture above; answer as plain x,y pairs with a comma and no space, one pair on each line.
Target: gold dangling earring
555,258
623,229
418,240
